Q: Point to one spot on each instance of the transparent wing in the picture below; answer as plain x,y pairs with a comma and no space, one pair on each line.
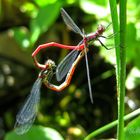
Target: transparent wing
28,112
70,23
65,65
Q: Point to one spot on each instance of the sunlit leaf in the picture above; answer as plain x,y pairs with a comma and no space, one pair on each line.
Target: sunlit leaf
133,78
21,35
98,2
132,131
29,8
94,7
42,3
36,133
133,49
45,18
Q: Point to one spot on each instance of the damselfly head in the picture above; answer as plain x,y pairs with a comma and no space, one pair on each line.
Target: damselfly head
50,64
100,29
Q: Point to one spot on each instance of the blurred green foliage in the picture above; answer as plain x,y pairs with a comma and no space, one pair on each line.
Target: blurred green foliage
36,132
41,19
26,24
132,131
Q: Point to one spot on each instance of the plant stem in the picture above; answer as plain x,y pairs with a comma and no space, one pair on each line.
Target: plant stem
111,125
122,69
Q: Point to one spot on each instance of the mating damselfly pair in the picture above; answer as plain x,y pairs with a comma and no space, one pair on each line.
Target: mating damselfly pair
65,68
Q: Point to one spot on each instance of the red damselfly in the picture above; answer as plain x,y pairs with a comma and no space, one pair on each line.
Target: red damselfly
28,112
52,44
66,63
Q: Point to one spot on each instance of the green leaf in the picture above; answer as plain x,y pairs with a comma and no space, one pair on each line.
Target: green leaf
133,79
21,36
133,49
36,133
99,2
42,3
132,131
45,18
95,7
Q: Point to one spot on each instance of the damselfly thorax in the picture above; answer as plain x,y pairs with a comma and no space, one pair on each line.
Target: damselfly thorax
48,73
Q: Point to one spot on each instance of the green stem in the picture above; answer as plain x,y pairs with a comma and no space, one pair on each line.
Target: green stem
111,125
120,61
122,69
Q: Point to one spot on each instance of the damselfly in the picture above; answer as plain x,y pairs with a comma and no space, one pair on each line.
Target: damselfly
28,112
66,63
